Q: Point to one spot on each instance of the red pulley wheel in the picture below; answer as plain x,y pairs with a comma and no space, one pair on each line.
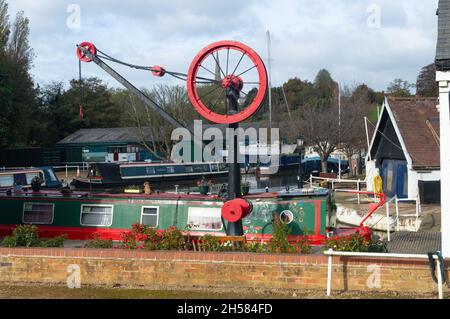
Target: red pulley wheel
235,210
88,46
216,68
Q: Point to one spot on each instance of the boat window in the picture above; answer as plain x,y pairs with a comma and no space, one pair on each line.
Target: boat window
286,217
223,167
150,170
161,170
149,216
20,179
96,215
30,176
52,175
38,213
214,167
6,180
205,218
189,169
170,169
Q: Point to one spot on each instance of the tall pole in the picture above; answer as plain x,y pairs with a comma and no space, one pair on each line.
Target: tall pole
269,63
339,106
234,169
367,137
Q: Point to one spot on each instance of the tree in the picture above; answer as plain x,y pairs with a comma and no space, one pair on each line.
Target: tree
58,109
325,88
426,82
4,25
5,92
356,104
20,95
319,127
151,126
400,88
298,93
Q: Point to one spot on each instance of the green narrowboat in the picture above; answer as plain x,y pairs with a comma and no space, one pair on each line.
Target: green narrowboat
80,215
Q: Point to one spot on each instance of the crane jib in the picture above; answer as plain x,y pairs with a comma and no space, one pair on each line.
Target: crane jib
138,93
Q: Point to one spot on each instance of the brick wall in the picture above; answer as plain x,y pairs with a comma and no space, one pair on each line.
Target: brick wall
165,269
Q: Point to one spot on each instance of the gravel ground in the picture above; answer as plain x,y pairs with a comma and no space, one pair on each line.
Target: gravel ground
62,292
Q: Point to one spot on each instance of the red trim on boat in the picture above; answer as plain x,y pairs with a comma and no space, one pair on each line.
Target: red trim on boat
317,217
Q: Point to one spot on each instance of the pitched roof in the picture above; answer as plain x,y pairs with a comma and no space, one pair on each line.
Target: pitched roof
418,122
443,43
106,135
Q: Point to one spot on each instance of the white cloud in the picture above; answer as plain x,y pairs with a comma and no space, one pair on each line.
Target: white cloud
307,36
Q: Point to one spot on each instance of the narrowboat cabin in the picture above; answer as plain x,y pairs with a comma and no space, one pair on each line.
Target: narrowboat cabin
22,178
80,215
112,175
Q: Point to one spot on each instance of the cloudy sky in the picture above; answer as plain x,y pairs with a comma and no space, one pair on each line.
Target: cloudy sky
371,41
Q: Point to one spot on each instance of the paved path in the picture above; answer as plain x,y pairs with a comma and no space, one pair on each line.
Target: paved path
414,243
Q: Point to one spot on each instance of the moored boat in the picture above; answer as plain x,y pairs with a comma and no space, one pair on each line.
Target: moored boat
80,215
23,178
112,175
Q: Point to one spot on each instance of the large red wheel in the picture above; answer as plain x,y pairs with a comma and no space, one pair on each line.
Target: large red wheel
216,68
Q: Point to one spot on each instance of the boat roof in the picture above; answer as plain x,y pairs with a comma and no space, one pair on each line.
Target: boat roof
18,171
162,196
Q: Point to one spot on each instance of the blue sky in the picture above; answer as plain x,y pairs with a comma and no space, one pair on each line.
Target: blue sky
371,41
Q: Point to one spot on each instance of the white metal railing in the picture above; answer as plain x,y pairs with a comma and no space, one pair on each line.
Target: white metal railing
418,212
334,181
330,253
388,215
77,167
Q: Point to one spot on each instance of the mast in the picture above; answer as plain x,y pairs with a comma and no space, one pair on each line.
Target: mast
269,63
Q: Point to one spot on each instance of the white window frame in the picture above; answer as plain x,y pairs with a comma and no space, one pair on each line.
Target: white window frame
157,214
28,223
202,229
96,205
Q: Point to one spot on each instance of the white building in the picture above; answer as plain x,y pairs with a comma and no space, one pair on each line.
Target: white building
405,148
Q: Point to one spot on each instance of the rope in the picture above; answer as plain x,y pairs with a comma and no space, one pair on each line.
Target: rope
177,75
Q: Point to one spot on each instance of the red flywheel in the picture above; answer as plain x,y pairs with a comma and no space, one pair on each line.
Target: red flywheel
222,65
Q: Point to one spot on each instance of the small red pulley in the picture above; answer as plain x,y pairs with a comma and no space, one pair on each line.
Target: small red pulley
158,71
235,210
88,46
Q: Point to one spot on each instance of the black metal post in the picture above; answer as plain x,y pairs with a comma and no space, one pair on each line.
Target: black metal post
234,169
300,171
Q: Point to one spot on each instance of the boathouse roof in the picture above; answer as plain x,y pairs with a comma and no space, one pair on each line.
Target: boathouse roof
107,136
408,128
443,43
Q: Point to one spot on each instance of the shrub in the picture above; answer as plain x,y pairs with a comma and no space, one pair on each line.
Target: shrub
97,242
255,247
27,236
142,236
280,243
355,243
22,236
303,247
212,243
53,242
172,239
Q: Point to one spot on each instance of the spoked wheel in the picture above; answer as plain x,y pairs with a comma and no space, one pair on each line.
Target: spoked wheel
219,67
